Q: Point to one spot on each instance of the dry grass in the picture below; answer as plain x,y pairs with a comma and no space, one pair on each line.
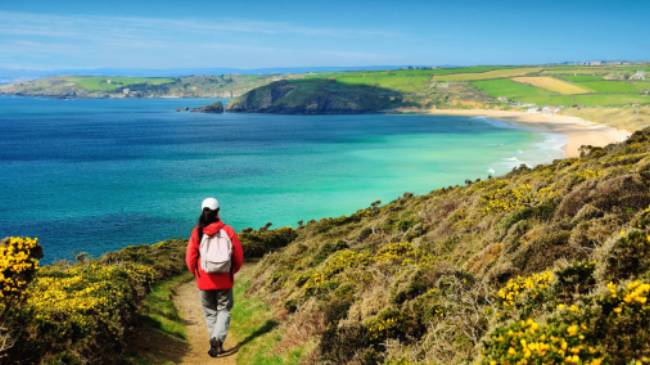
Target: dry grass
631,118
496,74
553,84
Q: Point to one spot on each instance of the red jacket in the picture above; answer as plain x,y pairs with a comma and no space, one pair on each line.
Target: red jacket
206,281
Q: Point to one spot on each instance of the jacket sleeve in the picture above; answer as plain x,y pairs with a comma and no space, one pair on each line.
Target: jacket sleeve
237,252
192,252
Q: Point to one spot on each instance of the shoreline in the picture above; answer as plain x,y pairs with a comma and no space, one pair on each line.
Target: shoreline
578,131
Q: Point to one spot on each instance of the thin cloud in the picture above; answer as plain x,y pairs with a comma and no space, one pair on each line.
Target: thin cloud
92,41
16,23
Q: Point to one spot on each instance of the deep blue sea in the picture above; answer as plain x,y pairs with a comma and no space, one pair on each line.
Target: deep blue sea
94,175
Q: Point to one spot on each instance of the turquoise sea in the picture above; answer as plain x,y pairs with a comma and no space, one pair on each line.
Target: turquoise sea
95,175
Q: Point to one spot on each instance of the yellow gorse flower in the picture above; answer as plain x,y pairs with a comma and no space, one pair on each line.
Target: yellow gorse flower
17,263
518,288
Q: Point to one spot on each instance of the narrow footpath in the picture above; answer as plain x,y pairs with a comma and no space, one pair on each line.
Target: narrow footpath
188,303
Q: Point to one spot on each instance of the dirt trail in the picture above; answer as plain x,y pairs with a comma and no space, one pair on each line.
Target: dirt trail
188,303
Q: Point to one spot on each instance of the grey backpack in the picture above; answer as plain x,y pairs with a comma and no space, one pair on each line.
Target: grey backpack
216,253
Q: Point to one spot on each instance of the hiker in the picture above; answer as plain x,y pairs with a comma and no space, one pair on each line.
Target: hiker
214,255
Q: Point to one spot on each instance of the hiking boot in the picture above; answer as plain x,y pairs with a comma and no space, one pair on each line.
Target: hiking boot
216,347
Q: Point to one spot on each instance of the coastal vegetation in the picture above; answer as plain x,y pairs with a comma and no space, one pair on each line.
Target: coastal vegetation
86,312
543,265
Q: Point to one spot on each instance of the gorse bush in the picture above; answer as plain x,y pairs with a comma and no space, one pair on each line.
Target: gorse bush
257,243
540,266
18,263
90,305
81,313
78,313
610,327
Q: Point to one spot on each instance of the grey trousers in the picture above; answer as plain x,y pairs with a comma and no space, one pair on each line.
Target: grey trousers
216,307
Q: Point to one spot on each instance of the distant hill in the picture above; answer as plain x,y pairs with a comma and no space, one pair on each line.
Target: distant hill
9,75
221,86
316,96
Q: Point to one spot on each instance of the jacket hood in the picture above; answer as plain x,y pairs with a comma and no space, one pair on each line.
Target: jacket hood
212,228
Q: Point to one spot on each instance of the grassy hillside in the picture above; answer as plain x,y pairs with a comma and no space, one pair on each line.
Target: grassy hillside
98,84
623,90
549,265
316,96
502,86
120,86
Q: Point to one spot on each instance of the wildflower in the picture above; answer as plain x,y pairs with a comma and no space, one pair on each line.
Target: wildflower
572,330
575,359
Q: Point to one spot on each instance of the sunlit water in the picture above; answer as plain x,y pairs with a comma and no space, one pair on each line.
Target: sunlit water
96,175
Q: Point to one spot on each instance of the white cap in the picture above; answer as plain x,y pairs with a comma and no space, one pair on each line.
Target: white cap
210,203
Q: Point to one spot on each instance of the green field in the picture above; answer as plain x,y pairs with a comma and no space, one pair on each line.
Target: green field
491,84
493,74
94,83
522,93
404,81
409,81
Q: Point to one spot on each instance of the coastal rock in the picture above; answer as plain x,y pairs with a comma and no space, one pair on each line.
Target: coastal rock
316,96
216,107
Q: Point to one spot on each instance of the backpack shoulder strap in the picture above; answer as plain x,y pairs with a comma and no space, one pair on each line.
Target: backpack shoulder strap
224,234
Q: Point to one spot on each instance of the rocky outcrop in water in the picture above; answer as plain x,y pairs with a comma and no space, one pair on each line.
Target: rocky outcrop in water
216,108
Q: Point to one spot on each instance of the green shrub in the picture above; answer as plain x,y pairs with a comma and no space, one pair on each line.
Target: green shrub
257,243
577,278
629,256
81,313
338,344
523,295
19,260
606,328
327,249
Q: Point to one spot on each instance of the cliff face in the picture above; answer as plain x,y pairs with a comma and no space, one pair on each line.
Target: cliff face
315,97
557,256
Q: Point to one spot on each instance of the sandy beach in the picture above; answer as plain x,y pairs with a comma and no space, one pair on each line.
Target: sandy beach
578,131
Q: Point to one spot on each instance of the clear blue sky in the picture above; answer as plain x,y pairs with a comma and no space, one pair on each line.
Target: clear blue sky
55,34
